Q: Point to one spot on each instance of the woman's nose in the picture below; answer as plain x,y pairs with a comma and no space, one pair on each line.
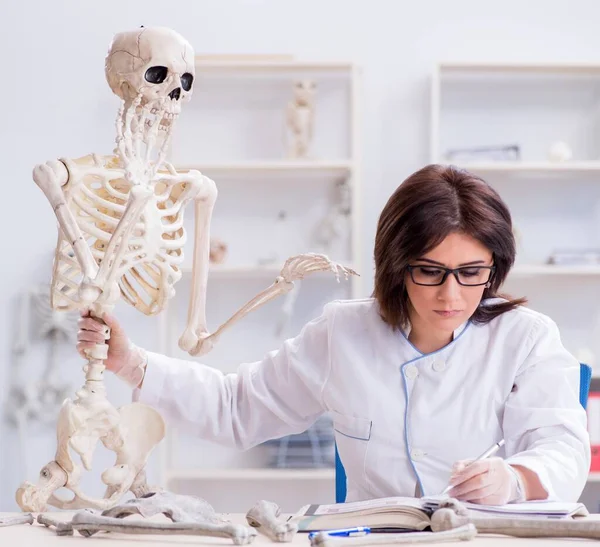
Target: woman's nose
450,289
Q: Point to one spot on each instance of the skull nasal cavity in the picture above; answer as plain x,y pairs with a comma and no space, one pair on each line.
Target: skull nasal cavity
175,94
156,74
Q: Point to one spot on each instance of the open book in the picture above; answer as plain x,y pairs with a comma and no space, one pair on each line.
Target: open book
401,513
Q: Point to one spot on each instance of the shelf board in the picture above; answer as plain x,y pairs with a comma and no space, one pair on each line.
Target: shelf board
530,270
475,67
313,168
252,474
541,168
248,270
282,65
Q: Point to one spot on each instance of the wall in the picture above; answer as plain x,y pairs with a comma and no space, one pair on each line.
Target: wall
56,103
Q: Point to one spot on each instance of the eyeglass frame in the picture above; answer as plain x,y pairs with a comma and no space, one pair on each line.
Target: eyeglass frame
447,272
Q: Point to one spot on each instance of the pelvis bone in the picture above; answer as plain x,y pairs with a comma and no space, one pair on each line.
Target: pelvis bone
139,429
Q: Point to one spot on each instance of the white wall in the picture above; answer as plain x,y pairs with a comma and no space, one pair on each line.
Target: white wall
55,102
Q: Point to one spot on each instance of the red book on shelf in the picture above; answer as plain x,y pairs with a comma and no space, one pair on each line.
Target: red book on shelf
593,415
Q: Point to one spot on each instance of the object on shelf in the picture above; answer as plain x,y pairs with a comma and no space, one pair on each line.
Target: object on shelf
336,224
510,152
575,257
313,448
560,152
218,251
277,240
267,259
300,119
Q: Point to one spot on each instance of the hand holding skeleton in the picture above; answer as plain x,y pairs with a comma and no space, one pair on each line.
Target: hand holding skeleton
125,359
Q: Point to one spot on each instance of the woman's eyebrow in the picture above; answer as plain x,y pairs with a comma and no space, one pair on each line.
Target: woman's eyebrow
460,265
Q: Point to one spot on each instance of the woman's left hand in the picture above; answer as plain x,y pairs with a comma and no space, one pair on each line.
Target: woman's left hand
490,482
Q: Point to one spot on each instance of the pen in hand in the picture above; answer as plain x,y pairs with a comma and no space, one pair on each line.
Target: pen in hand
489,452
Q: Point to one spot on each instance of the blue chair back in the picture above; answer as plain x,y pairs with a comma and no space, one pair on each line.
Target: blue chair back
585,378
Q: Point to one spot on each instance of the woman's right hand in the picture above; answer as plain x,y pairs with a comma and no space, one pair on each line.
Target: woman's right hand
124,358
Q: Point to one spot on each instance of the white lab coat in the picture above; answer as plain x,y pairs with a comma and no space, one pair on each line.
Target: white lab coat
400,416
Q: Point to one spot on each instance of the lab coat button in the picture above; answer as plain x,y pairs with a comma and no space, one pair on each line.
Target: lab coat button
411,372
438,366
417,455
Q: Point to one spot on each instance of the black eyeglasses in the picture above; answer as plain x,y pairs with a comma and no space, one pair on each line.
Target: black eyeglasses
468,276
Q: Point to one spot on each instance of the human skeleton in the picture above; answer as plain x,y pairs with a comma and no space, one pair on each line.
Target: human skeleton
121,232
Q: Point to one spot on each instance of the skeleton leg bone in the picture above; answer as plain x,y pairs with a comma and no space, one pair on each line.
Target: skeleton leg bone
447,519
265,517
62,528
87,524
463,533
34,497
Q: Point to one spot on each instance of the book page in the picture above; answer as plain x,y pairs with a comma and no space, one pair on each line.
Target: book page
537,507
357,506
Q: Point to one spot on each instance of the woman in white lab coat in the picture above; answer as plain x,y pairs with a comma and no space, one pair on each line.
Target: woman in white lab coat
427,374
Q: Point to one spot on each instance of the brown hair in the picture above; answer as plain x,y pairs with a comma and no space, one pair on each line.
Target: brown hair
429,205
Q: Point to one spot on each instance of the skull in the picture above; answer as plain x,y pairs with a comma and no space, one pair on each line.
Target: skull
154,63
304,92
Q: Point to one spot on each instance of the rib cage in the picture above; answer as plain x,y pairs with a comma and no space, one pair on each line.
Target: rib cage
97,198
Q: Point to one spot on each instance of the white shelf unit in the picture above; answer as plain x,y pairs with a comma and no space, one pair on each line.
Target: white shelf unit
540,270
555,205
256,175
253,474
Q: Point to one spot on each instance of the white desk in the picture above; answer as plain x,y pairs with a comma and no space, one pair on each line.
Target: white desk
26,535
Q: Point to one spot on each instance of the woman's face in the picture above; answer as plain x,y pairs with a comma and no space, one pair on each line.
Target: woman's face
445,307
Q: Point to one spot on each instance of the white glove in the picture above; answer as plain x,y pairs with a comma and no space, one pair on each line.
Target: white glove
490,481
125,359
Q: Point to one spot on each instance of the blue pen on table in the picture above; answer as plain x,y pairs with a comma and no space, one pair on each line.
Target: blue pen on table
344,532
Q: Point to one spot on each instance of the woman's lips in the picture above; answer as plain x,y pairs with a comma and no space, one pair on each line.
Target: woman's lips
448,313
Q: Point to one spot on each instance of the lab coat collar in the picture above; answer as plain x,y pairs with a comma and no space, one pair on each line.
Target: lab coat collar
455,334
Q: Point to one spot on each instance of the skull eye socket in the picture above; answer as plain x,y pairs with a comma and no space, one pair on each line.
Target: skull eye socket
186,81
156,74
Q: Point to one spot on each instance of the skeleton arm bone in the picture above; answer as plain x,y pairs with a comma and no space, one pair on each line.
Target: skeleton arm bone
295,268
51,177
193,337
